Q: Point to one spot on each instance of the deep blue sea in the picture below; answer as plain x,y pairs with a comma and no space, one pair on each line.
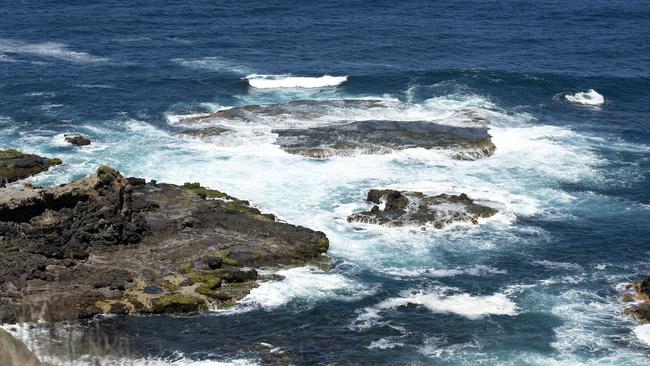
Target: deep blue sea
538,284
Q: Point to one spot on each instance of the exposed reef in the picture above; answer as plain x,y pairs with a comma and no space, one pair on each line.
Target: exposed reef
401,208
381,137
111,244
328,134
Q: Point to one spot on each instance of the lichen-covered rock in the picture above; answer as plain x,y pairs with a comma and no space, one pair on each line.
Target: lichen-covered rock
108,244
401,208
15,165
77,140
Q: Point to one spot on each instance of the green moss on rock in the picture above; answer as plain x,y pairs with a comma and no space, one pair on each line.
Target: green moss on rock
178,303
202,191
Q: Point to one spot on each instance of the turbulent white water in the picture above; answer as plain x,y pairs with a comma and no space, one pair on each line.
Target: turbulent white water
521,179
445,301
286,81
48,49
590,97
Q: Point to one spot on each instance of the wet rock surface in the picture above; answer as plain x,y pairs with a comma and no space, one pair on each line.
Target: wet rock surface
329,134
402,208
77,140
16,165
110,244
381,137
637,299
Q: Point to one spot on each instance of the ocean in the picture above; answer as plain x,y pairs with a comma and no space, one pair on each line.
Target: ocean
537,284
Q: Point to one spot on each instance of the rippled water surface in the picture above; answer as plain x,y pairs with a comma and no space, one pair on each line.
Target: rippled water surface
537,284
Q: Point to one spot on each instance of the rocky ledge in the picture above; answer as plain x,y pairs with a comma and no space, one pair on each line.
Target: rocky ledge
326,138
637,297
111,244
15,165
402,208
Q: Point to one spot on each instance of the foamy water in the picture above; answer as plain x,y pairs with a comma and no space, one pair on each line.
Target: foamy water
590,97
285,81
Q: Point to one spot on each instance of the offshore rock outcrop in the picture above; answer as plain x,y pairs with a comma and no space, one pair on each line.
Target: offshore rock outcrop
77,140
638,299
111,244
329,136
381,137
401,208
16,165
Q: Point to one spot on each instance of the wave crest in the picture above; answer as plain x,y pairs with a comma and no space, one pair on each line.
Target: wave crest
590,97
286,81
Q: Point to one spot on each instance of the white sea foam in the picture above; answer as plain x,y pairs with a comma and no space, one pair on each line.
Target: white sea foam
384,343
643,333
305,285
287,81
476,270
48,49
590,97
559,265
443,302
218,64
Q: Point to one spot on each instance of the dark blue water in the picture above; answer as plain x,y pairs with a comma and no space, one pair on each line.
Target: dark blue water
537,285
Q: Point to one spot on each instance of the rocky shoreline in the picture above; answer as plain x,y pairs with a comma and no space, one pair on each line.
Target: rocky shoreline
112,244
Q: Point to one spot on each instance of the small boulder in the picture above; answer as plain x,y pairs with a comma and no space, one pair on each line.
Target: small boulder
77,140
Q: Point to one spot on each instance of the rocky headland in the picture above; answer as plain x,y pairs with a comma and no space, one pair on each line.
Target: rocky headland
112,244
403,208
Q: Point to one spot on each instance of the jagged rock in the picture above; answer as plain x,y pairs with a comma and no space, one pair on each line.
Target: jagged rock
638,298
15,165
77,140
102,244
401,208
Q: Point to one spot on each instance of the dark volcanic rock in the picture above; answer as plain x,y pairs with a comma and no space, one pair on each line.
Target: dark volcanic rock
402,208
77,140
638,296
15,165
380,137
102,244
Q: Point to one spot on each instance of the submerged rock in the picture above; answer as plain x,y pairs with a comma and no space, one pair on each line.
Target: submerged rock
401,208
108,244
77,140
16,165
638,300
380,137
294,110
